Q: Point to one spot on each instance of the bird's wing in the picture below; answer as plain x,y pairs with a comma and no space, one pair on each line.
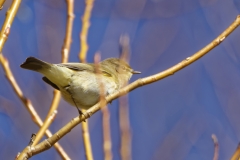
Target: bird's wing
78,66
85,67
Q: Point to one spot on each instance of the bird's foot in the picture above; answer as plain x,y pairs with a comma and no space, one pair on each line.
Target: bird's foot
81,113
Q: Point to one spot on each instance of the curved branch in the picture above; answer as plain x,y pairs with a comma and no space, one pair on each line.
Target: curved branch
47,143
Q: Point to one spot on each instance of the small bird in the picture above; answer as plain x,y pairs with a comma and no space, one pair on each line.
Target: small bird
79,82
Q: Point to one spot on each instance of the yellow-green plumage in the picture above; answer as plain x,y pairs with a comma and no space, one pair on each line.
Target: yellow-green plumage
78,82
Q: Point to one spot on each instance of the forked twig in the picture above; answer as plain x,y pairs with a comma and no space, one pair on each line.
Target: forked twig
11,13
46,144
65,54
27,103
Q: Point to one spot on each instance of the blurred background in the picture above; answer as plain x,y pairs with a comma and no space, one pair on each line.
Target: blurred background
170,119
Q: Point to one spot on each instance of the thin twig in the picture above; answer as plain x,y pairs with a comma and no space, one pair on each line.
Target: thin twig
11,13
46,144
85,130
124,44
65,54
82,57
107,144
1,4
125,148
49,118
87,141
236,155
27,103
216,147
84,32
68,37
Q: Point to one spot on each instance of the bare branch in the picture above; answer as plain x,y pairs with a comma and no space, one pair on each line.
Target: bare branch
85,130
27,103
86,140
65,54
124,43
46,144
84,32
11,13
3,37
68,36
49,118
1,4
216,147
125,148
107,144
236,155
82,57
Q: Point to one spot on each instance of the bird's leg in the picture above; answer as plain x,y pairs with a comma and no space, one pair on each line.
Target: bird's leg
106,96
79,111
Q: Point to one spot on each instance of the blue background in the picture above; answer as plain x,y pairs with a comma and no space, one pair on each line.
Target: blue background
170,119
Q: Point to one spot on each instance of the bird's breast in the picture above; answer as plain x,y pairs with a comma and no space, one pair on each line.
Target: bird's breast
83,90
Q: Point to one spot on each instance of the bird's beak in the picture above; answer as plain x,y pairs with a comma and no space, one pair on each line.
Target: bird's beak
136,72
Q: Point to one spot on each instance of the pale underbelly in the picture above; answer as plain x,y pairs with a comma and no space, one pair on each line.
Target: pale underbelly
83,92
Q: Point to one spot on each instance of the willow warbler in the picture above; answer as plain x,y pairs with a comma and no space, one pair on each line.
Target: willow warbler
79,82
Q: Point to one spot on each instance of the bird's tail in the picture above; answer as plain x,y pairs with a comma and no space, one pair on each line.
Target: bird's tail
35,64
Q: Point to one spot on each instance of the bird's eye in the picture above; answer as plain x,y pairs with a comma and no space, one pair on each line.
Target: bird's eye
119,69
